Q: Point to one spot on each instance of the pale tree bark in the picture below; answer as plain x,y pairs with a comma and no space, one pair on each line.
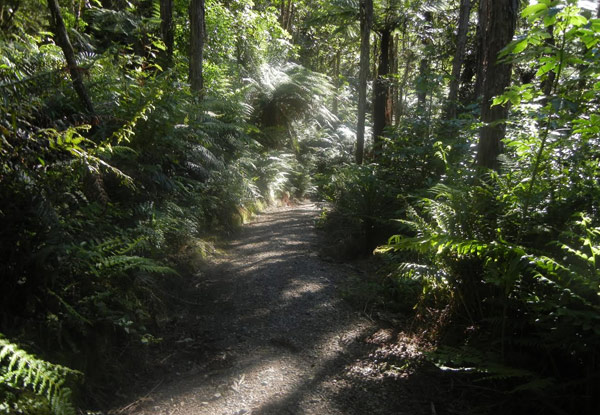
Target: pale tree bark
498,24
167,31
336,79
197,34
482,18
457,63
62,40
366,21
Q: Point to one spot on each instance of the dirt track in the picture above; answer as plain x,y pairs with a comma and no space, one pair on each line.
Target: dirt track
273,336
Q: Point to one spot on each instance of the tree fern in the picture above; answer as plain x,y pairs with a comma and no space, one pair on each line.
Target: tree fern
23,371
284,94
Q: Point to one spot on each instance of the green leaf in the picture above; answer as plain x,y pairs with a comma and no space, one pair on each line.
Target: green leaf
547,67
499,100
534,9
549,20
521,46
577,20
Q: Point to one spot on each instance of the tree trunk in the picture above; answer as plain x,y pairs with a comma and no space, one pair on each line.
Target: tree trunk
336,80
461,41
389,102
166,30
381,91
77,6
404,81
394,87
62,40
366,21
196,45
422,79
482,18
290,16
498,26
374,61
421,85
285,14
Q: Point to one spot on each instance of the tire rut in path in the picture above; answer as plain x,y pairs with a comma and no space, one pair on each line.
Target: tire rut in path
273,336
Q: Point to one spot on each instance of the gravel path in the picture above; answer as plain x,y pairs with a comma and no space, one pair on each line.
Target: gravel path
273,336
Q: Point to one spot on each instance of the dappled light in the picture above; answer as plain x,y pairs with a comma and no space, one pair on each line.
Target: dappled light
284,342
299,207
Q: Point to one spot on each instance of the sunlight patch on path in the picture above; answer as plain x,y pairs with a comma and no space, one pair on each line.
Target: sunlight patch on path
281,334
299,288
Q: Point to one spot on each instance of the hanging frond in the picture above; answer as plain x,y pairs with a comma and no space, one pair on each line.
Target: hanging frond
21,370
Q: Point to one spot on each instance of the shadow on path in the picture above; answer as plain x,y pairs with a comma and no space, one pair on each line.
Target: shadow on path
270,335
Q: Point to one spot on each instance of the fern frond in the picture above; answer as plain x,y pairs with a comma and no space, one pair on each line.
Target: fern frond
488,366
127,131
24,371
124,263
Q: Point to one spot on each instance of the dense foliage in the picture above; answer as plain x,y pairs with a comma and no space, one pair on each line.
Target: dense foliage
502,263
116,171
102,211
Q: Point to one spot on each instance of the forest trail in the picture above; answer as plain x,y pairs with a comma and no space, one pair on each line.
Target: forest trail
273,336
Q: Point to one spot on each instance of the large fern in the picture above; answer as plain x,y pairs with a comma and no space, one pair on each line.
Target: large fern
282,95
23,371
519,302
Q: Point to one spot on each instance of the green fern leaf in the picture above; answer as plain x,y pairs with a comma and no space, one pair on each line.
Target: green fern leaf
27,372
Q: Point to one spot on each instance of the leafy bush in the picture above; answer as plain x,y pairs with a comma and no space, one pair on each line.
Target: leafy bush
363,203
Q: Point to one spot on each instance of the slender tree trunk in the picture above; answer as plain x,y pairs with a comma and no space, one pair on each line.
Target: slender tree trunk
401,90
374,61
196,45
166,30
482,33
336,79
285,14
290,13
381,90
77,6
498,25
389,101
422,80
394,88
457,63
366,21
403,82
421,85
62,40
